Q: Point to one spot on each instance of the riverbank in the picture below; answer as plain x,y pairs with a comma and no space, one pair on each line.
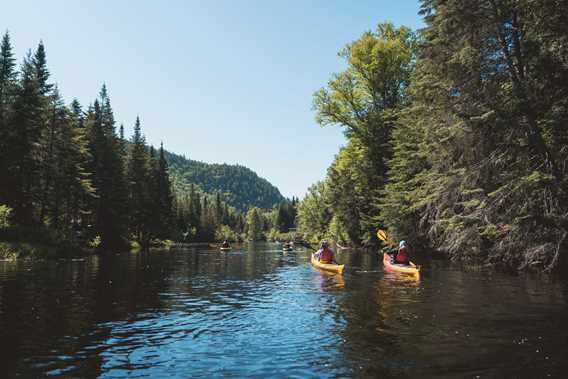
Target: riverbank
42,243
22,250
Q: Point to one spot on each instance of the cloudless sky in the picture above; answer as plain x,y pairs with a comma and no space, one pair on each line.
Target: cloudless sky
219,80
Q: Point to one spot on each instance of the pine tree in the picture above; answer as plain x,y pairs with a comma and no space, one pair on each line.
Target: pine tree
22,153
80,189
254,224
139,186
110,208
164,196
8,87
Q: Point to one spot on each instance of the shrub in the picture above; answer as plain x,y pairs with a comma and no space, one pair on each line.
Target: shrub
5,213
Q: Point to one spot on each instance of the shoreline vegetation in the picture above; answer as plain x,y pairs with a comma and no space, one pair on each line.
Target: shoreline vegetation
72,183
456,137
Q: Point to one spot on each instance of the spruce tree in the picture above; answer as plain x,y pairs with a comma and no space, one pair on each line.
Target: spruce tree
139,187
110,208
23,153
164,195
8,87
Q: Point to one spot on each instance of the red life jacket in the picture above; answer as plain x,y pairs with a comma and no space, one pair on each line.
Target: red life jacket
402,256
326,256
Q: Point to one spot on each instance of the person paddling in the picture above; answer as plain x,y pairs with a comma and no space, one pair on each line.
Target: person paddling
225,244
325,254
399,255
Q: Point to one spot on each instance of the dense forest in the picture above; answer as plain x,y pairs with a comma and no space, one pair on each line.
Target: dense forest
241,187
456,135
70,179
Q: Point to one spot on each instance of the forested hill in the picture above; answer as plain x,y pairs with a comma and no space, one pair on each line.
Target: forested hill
240,186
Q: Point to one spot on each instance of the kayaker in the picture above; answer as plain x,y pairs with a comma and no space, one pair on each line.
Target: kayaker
225,244
325,254
400,254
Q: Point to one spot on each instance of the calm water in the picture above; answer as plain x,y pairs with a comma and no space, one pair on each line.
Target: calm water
259,312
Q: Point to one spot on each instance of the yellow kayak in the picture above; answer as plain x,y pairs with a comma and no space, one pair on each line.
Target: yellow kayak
407,269
331,267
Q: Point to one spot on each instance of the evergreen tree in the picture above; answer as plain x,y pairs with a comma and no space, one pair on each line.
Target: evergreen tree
41,70
164,195
254,224
8,87
110,208
22,153
140,185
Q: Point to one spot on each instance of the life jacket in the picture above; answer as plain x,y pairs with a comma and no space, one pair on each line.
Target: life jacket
402,256
326,256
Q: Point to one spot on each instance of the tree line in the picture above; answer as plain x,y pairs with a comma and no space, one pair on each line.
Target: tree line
69,177
68,170
456,135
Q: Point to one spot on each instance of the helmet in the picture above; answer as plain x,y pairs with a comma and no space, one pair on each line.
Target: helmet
402,243
324,243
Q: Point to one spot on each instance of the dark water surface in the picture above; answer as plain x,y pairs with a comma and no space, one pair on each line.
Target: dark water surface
259,312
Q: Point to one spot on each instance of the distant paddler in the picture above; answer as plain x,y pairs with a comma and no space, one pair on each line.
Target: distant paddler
225,246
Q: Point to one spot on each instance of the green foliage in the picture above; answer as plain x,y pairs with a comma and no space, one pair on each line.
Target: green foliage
225,232
275,235
365,99
67,174
462,149
314,214
95,242
254,224
5,213
240,187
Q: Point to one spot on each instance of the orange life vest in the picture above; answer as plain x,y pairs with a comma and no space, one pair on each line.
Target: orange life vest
326,256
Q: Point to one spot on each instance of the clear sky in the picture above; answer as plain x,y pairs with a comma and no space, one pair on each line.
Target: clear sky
218,80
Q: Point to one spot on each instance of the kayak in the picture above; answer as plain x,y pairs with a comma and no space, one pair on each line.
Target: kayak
225,248
407,269
287,248
331,267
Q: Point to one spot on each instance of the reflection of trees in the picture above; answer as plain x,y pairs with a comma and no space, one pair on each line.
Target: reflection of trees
44,303
370,308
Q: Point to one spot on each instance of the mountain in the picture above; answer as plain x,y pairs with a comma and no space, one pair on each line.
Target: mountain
239,186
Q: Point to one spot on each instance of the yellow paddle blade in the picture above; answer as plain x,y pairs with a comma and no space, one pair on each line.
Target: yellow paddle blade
382,235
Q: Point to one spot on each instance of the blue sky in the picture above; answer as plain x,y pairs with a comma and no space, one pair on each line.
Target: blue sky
219,81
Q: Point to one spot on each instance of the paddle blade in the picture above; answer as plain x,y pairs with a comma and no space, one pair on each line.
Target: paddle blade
382,235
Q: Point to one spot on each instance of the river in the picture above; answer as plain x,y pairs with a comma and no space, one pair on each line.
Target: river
259,312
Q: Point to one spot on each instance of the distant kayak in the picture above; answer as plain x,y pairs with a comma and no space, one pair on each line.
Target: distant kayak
407,269
225,248
331,267
287,248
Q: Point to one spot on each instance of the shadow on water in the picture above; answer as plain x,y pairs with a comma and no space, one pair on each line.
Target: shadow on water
258,311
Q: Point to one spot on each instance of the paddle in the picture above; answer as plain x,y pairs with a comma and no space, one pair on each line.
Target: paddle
382,235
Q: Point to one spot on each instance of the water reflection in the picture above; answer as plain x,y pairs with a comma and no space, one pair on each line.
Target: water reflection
256,311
